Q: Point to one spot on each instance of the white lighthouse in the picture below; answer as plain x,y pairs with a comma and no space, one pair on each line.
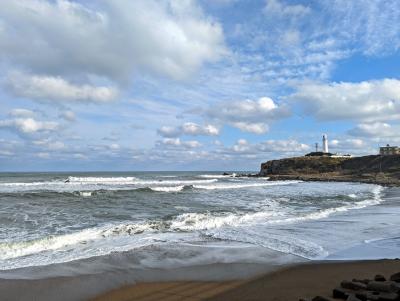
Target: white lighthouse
325,143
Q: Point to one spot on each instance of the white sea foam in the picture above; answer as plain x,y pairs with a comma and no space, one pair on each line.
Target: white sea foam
98,183
168,188
23,184
10,250
24,248
244,185
85,193
206,221
101,180
215,176
274,215
286,244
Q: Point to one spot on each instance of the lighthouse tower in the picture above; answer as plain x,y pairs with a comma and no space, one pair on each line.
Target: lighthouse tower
325,143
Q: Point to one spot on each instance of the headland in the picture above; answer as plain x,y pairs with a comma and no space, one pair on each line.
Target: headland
376,169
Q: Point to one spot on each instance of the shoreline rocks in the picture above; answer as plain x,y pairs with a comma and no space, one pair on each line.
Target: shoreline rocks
378,289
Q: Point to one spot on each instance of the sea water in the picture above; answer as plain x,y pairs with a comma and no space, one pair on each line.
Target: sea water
174,219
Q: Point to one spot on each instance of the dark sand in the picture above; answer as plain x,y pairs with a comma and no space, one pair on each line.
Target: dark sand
292,283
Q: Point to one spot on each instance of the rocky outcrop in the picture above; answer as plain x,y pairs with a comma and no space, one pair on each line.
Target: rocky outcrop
370,169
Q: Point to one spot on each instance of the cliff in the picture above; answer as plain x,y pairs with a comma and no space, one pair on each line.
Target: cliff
369,169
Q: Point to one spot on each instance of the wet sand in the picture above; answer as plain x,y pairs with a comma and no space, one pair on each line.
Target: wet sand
291,283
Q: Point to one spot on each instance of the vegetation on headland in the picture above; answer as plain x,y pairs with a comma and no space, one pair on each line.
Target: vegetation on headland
384,170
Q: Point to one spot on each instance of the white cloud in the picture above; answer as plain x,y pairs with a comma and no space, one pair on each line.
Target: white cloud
169,131
194,129
110,38
177,143
376,129
6,153
114,146
50,145
258,150
190,129
279,9
255,128
283,146
191,143
68,115
80,156
29,125
351,145
241,146
43,155
56,89
248,115
377,100
21,113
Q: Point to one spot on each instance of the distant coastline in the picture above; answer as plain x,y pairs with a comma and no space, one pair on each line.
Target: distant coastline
374,169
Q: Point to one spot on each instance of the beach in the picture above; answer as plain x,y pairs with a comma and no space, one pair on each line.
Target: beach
287,284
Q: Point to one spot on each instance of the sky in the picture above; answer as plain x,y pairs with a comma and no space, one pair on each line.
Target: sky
120,85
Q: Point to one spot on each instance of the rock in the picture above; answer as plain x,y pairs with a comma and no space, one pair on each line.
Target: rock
324,168
365,281
226,174
377,296
379,277
340,293
352,298
395,287
388,297
387,286
395,277
353,285
320,298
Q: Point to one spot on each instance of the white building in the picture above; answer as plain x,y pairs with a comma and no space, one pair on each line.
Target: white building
325,148
389,150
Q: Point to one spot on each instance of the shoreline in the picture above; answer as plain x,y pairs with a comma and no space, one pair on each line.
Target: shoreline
304,280
329,178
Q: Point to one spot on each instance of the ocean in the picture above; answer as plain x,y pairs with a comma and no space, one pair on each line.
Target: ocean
63,223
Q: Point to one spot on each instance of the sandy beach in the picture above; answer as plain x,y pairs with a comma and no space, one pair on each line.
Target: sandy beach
292,283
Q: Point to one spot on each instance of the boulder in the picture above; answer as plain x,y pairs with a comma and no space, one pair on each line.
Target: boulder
340,293
395,287
352,298
379,277
388,297
365,281
395,277
353,285
379,286
320,298
377,296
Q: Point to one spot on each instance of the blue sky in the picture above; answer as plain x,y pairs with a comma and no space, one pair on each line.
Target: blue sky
194,85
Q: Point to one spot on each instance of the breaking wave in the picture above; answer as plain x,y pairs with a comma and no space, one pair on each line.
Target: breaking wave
100,180
207,176
168,188
244,185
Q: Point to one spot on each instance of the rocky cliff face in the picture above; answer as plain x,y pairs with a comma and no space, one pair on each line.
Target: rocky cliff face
371,169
